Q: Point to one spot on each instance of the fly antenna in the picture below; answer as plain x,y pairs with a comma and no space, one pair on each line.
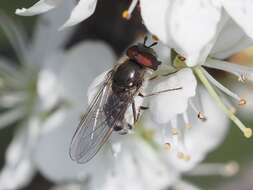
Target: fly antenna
145,40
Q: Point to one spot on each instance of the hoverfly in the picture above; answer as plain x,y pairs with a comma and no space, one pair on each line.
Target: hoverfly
106,113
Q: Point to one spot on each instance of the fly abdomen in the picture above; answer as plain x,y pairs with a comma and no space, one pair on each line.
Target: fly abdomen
114,110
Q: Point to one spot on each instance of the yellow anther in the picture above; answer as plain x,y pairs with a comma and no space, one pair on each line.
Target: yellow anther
247,132
242,102
125,14
167,146
180,155
174,131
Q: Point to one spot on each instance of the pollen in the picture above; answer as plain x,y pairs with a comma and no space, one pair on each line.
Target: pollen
174,131
125,15
242,102
167,146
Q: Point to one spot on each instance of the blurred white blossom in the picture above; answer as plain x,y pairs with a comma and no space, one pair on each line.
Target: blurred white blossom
80,12
44,91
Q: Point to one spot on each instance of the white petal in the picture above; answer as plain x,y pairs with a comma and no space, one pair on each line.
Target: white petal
52,153
165,106
82,11
231,39
242,12
48,89
38,8
19,169
46,39
154,17
138,166
193,24
82,64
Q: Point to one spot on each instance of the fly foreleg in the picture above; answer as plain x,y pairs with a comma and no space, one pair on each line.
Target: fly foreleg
136,115
162,75
159,92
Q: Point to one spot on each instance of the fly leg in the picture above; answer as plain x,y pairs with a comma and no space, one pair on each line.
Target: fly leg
159,92
136,114
162,75
139,111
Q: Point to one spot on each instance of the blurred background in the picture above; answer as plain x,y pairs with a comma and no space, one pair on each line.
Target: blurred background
108,25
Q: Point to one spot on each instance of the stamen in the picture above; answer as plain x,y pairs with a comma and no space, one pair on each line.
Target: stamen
174,129
186,120
126,14
242,78
178,141
242,102
242,72
167,146
227,103
227,170
200,114
223,88
200,73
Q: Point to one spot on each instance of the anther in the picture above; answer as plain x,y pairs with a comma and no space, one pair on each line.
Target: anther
174,131
181,58
242,78
242,102
201,116
167,146
125,15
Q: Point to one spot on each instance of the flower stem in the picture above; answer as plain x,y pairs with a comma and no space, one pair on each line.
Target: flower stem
199,72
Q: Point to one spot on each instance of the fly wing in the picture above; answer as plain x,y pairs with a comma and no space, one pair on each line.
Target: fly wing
92,131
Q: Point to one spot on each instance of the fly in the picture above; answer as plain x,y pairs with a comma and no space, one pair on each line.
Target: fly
106,113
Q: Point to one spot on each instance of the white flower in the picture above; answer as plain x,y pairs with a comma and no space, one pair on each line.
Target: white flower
140,162
161,105
44,93
83,10
192,27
